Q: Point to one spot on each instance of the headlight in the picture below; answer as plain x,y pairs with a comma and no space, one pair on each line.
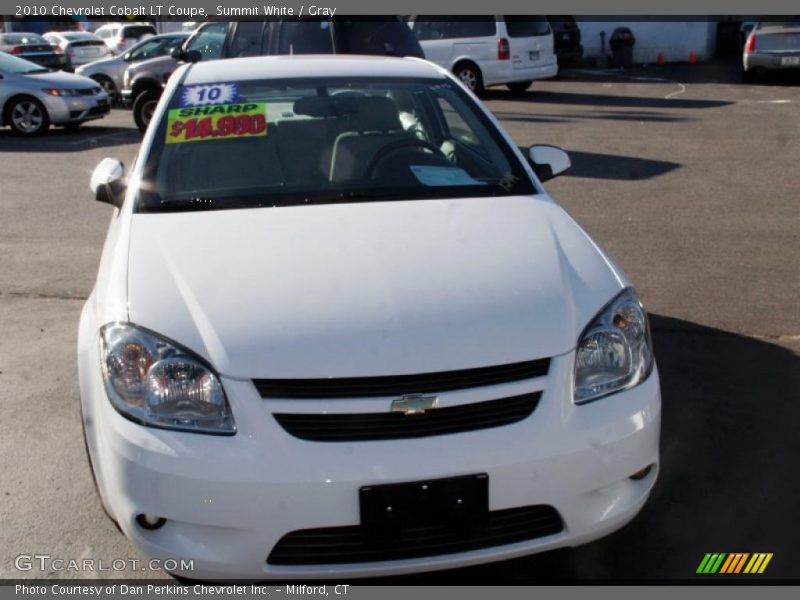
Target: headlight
155,382
63,93
614,352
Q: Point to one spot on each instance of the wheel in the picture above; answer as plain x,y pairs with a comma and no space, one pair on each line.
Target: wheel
519,86
470,76
753,75
143,108
109,87
27,116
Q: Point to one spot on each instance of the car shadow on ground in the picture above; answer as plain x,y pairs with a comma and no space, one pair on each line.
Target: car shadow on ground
728,474
58,139
602,100
728,480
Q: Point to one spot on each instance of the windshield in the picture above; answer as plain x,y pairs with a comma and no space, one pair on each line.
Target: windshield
18,66
301,141
152,47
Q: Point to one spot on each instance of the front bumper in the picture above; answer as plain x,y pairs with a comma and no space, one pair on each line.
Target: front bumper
229,500
64,110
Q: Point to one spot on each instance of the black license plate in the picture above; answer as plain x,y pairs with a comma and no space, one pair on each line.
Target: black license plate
458,504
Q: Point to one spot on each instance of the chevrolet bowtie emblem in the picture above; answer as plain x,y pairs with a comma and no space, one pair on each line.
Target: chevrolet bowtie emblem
414,404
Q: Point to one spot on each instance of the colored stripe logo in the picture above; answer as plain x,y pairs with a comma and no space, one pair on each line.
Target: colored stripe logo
734,563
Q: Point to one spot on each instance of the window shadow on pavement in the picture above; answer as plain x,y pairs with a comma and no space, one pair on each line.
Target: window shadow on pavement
571,117
612,166
728,480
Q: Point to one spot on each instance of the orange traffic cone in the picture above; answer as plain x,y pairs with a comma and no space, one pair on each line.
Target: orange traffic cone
692,58
660,59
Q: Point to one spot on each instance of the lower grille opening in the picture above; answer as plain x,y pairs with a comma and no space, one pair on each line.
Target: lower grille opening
352,427
350,544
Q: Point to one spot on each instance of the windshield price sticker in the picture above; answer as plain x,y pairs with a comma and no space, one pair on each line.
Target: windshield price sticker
209,94
217,122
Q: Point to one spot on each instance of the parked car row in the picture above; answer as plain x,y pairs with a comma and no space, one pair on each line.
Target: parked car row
481,51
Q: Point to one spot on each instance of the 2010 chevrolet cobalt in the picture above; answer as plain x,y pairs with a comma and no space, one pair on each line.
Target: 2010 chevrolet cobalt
339,328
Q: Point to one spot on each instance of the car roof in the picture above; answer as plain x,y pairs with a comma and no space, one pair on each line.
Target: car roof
310,65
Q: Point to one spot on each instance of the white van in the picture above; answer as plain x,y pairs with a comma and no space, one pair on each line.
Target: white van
490,50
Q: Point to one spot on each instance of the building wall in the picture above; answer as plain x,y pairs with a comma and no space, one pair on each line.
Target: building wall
675,40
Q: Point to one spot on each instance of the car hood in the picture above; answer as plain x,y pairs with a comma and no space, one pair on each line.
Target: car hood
63,80
102,63
368,289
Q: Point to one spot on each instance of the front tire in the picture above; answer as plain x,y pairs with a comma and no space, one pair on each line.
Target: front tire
519,86
143,108
470,75
109,88
27,116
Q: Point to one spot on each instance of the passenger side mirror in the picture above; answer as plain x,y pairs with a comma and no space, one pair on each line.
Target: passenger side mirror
548,161
177,53
107,183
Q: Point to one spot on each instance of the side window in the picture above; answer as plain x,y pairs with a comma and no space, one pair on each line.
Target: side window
457,127
527,26
209,41
305,37
431,29
473,27
147,50
246,40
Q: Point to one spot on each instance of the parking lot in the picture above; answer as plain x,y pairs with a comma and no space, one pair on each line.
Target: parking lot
688,178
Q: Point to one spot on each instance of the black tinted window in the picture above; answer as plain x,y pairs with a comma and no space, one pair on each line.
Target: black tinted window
138,31
246,39
527,26
378,37
472,27
431,29
305,37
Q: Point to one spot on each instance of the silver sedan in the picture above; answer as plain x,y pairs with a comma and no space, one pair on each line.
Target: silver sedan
32,98
109,72
771,46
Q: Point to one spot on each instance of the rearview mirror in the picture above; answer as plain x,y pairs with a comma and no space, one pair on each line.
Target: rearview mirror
548,161
106,183
177,53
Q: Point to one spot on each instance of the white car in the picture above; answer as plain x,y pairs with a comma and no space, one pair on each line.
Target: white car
81,47
119,37
340,329
490,50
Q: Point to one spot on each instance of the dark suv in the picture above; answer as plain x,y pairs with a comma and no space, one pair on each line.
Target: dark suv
567,38
341,35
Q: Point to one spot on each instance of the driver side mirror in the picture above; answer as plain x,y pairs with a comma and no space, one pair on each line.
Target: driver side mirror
182,55
107,182
548,161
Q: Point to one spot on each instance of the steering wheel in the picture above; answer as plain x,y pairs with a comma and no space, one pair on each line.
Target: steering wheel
388,149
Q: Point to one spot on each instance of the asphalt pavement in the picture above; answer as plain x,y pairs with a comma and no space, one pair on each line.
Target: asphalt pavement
689,179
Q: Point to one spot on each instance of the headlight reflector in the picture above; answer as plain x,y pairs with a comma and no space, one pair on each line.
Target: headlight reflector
614,352
155,382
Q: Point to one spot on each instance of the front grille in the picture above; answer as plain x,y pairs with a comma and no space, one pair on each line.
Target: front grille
397,385
89,91
338,545
352,427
